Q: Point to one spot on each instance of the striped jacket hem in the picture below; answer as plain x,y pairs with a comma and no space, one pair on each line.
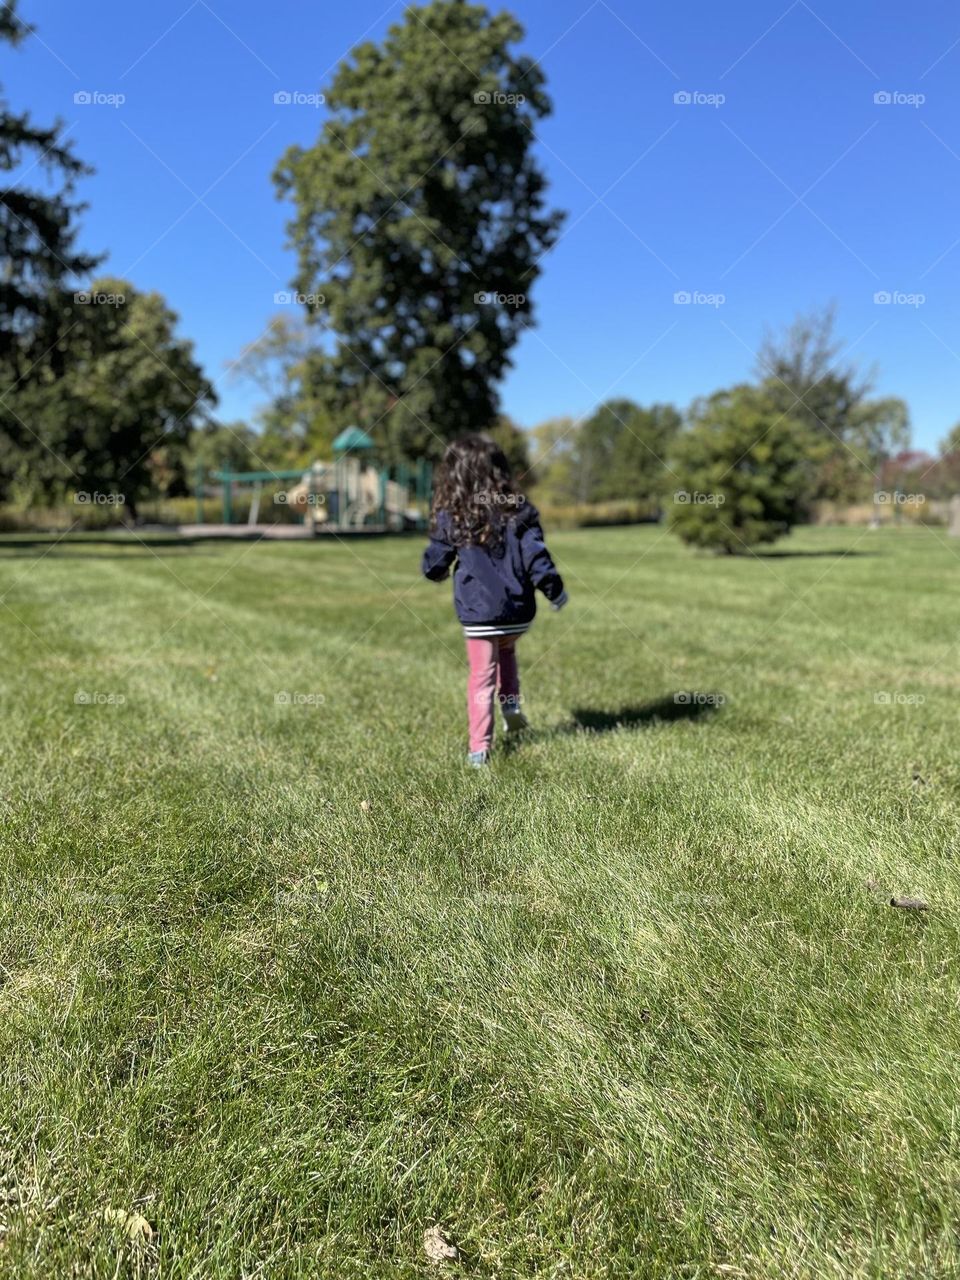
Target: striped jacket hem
477,631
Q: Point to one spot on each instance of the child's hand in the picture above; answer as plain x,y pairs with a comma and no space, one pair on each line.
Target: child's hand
560,601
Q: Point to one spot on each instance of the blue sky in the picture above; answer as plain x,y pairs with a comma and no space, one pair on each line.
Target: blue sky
797,189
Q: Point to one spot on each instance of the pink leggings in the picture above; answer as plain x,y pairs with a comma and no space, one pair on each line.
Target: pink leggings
493,662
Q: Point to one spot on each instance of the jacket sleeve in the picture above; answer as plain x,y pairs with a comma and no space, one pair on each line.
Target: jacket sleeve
538,563
439,555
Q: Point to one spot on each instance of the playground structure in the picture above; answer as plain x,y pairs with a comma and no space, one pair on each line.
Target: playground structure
352,492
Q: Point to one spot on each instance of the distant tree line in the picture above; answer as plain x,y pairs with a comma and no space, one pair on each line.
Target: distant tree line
744,464
419,223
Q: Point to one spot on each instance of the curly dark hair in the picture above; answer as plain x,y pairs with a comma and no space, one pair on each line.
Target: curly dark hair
475,491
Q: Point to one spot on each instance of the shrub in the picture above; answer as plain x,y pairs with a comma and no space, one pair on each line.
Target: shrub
743,473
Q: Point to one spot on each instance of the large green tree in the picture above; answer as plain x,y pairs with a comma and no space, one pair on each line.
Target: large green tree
554,460
951,441
850,432
111,408
515,444
230,446
621,450
420,222
297,425
617,454
744,475
37,251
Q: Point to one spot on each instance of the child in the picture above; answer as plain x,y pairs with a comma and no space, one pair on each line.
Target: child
484,525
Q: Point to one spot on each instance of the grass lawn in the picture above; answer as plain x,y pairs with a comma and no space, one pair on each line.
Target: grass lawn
289,982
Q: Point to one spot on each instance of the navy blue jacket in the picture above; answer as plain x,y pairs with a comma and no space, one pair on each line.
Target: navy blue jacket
493,586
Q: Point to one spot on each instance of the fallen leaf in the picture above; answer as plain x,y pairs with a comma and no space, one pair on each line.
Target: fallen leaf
134,1225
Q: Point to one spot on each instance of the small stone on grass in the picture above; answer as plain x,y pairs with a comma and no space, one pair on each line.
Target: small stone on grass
438,1246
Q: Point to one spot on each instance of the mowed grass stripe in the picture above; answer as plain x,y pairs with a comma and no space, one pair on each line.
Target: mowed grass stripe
294,985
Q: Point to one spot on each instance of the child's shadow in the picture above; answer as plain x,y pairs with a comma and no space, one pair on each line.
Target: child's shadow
682,705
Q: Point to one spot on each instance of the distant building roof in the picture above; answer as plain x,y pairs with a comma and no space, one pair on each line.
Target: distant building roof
352,438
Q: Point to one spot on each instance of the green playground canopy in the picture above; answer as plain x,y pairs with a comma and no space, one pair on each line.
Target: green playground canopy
351,438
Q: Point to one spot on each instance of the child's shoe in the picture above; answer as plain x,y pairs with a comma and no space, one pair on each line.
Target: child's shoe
478,759
513,718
